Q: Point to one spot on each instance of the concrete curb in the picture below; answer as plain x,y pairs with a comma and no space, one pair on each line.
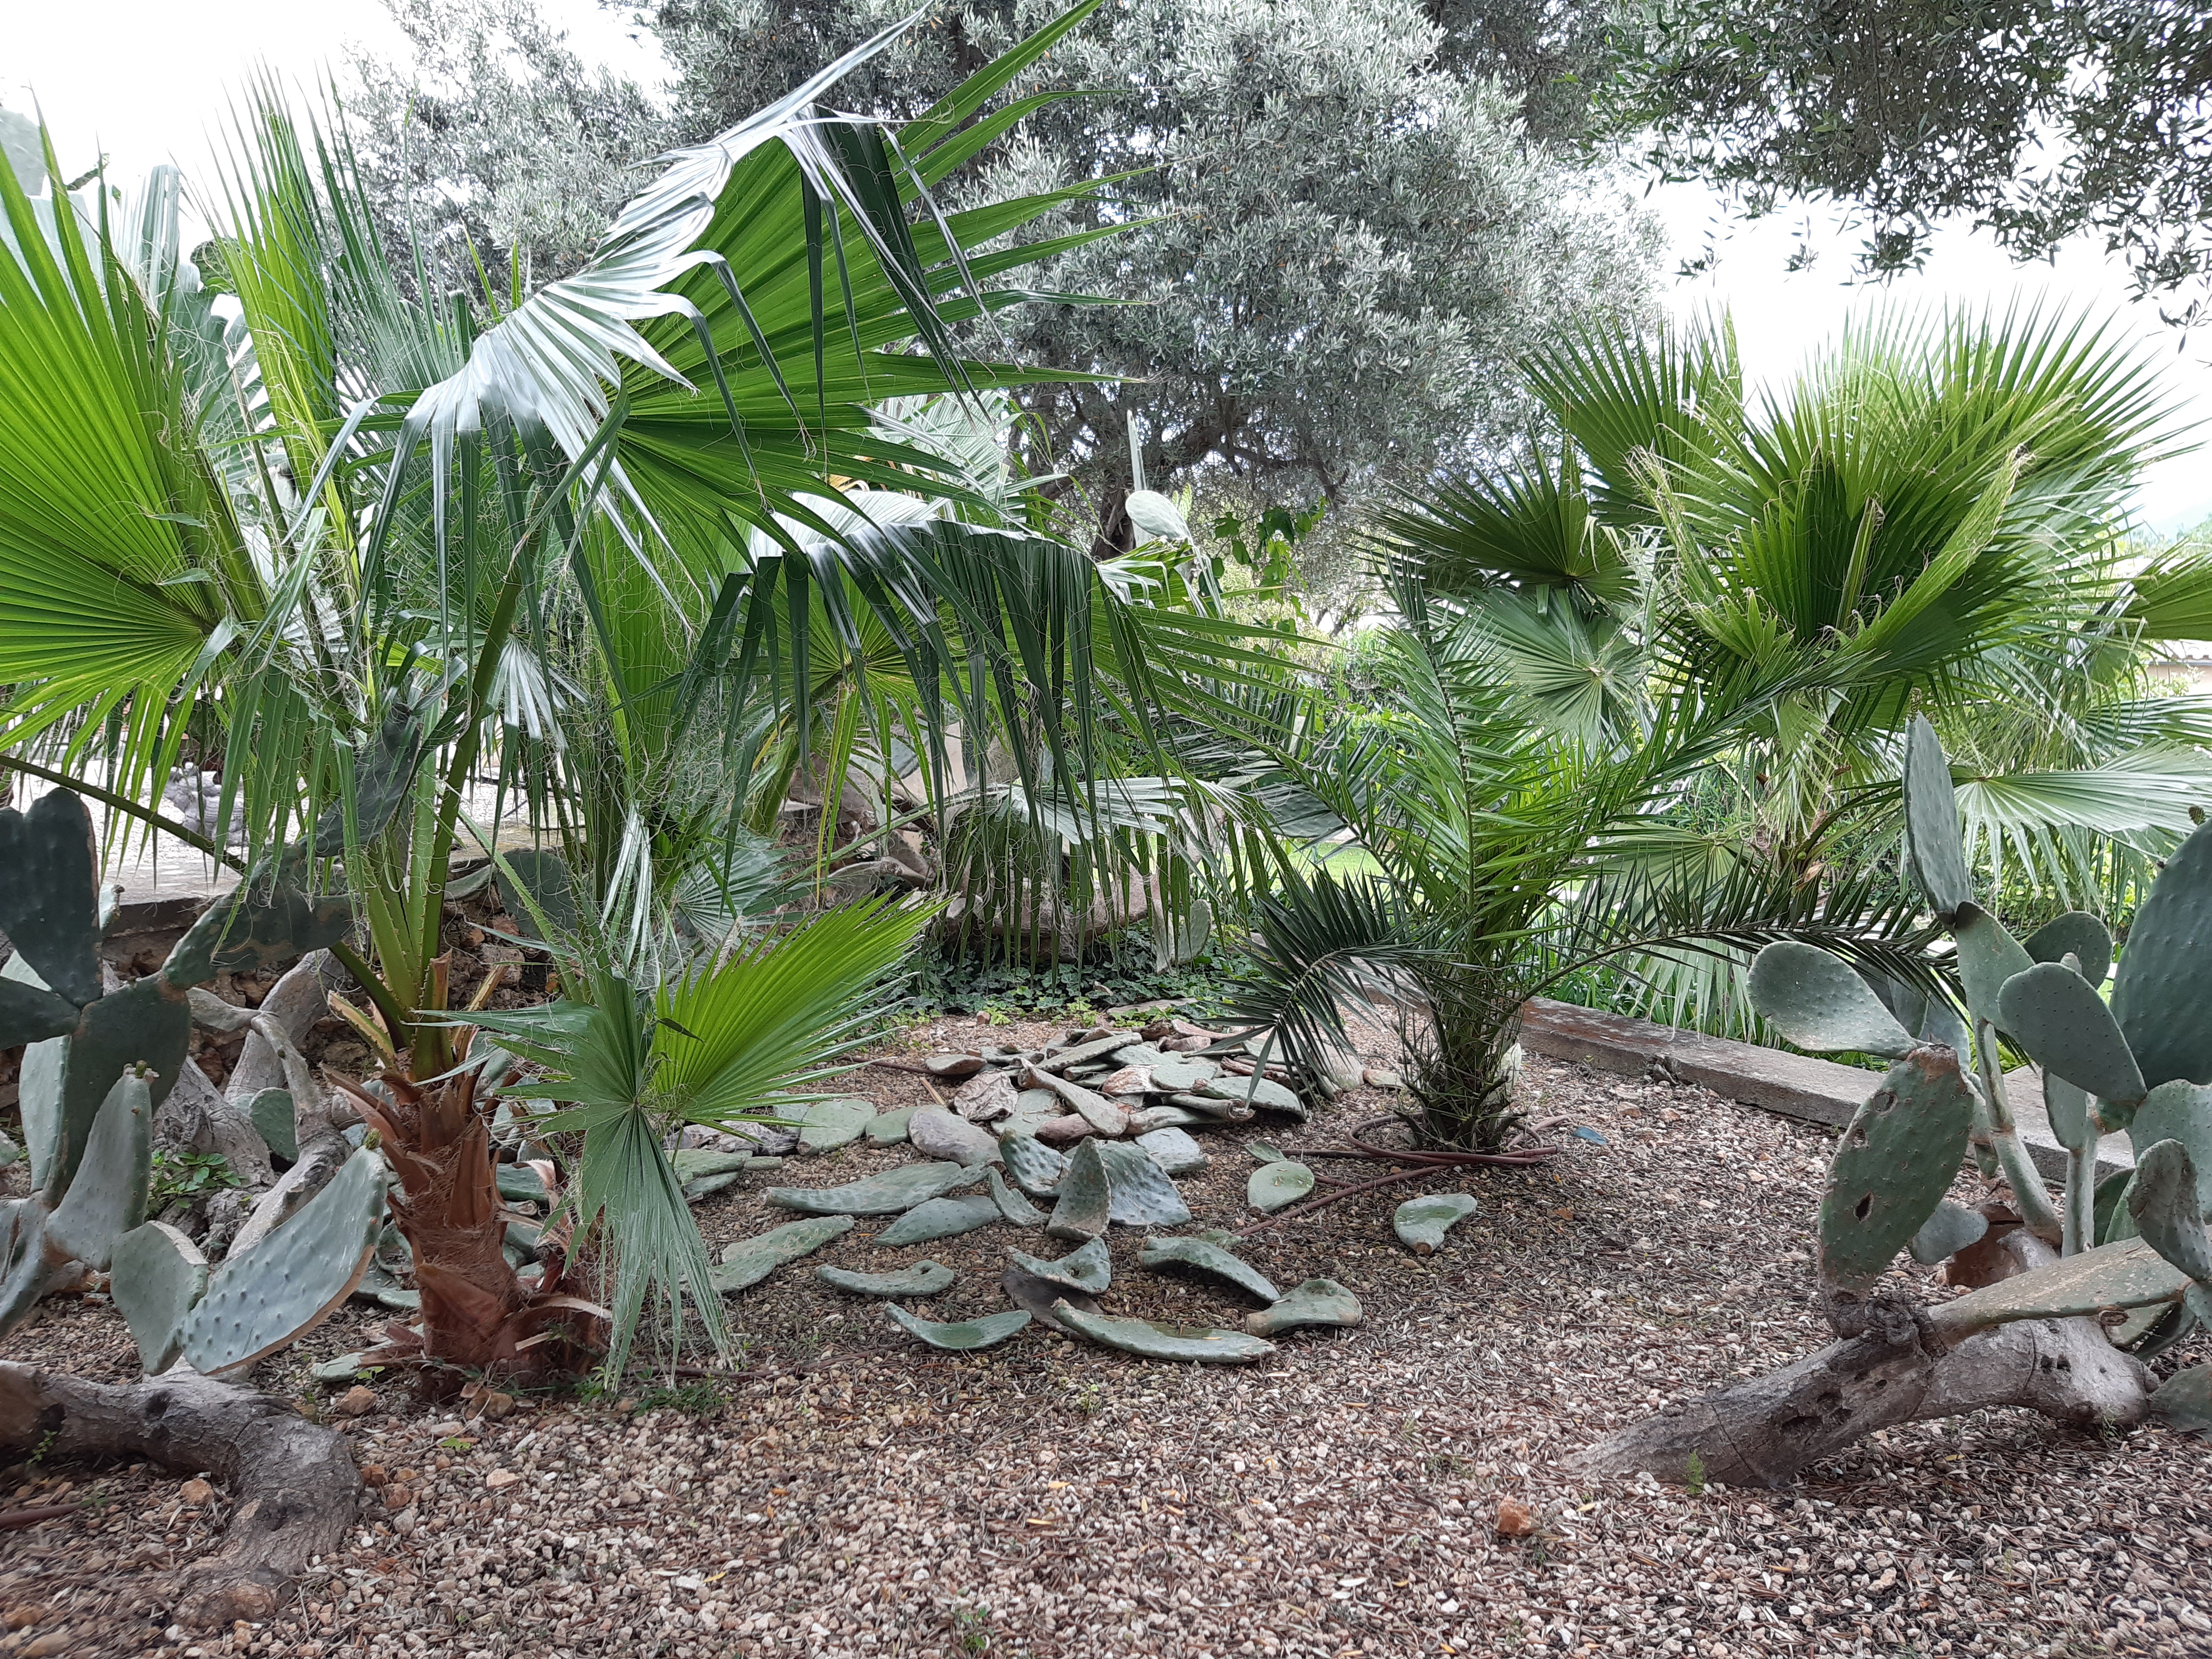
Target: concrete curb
1796,1085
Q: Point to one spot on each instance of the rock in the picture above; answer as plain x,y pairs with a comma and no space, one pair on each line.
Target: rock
1129,1080
356,1401
195,1492
499,1479
884,1194
1514,1518
966,1337
1089,1269
1183,1076
1101,1113
942,1134
1176,1153
1153,1339
1273,1186
1034,1167
1038,1296
986,1098
375,1475
1139,1191
749,1260
1064,1131
496,1405
1086,1198
887,1128
829,1124
1316,1302
1209,1253
953,1068
1256,1091
1378,1078
940,1218
1017,1210
1422,1223
924,1278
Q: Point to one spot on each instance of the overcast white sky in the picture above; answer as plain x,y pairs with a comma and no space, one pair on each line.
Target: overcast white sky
151,80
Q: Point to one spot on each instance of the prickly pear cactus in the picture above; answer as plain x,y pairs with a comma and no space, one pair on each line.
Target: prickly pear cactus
1894,1165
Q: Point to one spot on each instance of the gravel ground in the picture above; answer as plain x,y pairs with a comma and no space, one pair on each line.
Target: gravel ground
856,1495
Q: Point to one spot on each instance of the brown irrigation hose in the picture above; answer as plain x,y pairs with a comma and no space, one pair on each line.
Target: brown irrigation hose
1416,1164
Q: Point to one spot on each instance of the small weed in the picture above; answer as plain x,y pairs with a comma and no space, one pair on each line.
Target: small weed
971,1629
1091,1397
1448,1465
699,1399
46,1443
187,1175
1694,1476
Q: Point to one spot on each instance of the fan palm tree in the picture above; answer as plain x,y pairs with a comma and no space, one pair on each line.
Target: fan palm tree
376,541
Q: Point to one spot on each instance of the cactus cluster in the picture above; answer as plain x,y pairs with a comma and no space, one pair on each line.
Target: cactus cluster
97,1069
2133,1250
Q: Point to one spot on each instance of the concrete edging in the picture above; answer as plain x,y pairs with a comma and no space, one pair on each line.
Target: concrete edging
1801,1087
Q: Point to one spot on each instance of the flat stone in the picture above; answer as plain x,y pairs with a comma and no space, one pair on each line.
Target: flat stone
1183,1074
1256,1091
880,1194
829,1124
1038,1296
986,1098
1064,1131
1377,1078
966,1336
1088,1268
1273,1186
1422,1223
1101,1113
1316,1302
1175,1152
749,1260
953,1068
1034,1167
887,1128
938,1133
1209,1255
1018,1210
923,1278
1154,1340
1139,1193
940,1218
1086,1197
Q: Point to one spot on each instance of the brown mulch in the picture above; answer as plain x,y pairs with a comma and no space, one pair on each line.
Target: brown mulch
854,1494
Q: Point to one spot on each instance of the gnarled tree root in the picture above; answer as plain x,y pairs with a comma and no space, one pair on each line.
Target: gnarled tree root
1764,1432
293,1483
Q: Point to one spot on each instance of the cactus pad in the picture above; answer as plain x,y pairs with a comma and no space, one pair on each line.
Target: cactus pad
1422,1223
144,1023
1988,956
2184,1401
29,1013
254,928
541,878
2169,1215
923,1278
50,893
277,1121
1932,836
829,1124
2079,933
1153,1339
1316,1302
1017,1211
108,1197
749,1261
1084,1199
292,1280
2110,1278
2058,1017
2068,1109
1139,1191
964,1336
1176,1153
887,1194
940,1218
155,1276
1947,1232
1819,1002
1033,1166
1086,1268
1893,1165
1278,1184
2179,1112
1209,1255
2159,988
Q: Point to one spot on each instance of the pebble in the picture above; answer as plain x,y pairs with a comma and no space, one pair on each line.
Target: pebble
196,1492
357,1401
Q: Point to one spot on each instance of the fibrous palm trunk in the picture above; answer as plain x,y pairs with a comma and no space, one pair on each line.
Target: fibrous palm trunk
479,1317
